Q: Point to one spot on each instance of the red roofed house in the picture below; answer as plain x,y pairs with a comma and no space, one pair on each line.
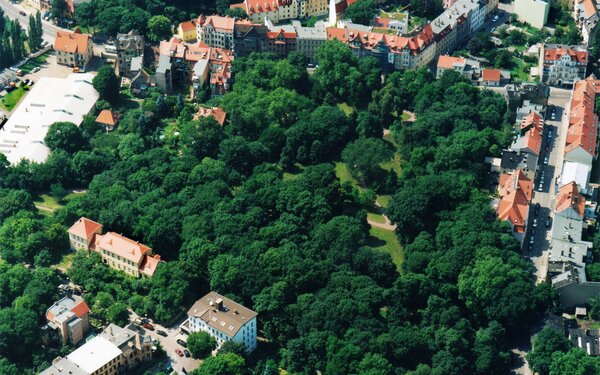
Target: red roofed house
215,112
581,144
117,251
108,119
280,42
515,195
216,31
586,16
82,234
465,67
73,49
561,64
530,134
275,10
491,77
69,318
569,203
186,31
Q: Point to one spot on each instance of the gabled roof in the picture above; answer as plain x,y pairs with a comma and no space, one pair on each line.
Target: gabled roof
122,246
222,24
554,53
448,62
532,127
85,228
71,42
221,313
149,265
282,33
583,122
493,75
81,309
187,26
107,117
515,195
569,197
217,113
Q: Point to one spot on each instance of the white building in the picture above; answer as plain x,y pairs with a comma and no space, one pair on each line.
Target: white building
50,100
223,319
533,12
562,64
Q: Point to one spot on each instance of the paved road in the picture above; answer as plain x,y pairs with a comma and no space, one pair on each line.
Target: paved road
537,251
12,11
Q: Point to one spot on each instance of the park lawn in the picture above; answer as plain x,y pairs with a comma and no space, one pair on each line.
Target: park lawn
10,101
386,241
384,200
70,196
520,70
346,108
394,163
34,63
375,217
343,173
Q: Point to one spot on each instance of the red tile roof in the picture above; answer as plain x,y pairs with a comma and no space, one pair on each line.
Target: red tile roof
187,26
285,34
532,127
583,122
368,40
491,75
217,113
150,264
85,228
448,62
568,196
122,246
557,53
515,195
71,42
260,6
81,309
222,24
107,117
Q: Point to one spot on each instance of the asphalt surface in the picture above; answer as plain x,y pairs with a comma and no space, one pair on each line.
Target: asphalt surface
12,11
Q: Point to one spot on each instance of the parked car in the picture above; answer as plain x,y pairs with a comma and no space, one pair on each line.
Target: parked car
187,353
534,223
161,332
22,13
541,187
536,209
148,326
553,116
531,240
548,222
495,18
35,70
179,352
545,160
182,343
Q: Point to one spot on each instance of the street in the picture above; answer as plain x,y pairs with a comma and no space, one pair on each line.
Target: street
12,11
545,180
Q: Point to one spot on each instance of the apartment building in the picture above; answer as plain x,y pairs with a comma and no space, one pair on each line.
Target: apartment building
515,191
249,38
275,10
217,31
309,39
586,15
68,320
128,46
223,319
73,49
116,350
187,31
582,134
532,12
561,64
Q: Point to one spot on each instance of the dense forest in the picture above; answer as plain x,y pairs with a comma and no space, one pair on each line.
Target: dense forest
255,211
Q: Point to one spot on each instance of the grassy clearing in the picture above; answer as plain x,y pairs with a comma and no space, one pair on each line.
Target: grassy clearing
66,262
34,63
384,200
346,108
520,70
10,101
47,201
394,163
386,241
375,217
70,196
343,173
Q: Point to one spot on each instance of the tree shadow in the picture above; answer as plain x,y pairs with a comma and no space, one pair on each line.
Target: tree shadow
375,242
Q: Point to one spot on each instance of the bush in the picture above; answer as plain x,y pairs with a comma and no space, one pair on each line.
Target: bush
201,344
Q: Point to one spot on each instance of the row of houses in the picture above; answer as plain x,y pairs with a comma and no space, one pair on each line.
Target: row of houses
586,14
471,70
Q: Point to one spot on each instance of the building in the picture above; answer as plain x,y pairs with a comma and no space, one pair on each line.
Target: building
517,94
585,339
515,191
215,112
586,16
280,42
107,119
223,319
217,31
69,319
581,144
309,39
129,46
73,49
276,11
532,12
82,234
50,100
197,63
115,351
117,251
467,68
187,31
310,8
491,77
41,5
529,137
392,22
561,64
577,173
249,38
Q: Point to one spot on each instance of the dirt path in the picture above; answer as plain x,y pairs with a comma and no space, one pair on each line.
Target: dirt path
44,208
387,225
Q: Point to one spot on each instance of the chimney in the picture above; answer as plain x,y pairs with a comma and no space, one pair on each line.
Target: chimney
219,303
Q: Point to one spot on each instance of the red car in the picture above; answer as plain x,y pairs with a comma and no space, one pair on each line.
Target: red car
148,326
179,352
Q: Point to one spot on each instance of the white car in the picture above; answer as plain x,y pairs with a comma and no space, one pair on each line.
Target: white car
495,18
541,187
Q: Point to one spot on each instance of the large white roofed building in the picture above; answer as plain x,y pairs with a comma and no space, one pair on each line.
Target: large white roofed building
50,100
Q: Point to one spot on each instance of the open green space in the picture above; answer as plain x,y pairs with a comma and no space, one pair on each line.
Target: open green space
520,70
378,218
346,108
384,200
48,203
10,100
34,63
387,241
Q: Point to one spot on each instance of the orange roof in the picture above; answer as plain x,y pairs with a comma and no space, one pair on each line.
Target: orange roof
568,196
381,22
260,6
217,113
187,26
285,34
589,7
220,23
448,62
81,309
107,117
532,127
491,75
122,246
368,40
149,265
556,53
71,42
583,122
515,195
85,228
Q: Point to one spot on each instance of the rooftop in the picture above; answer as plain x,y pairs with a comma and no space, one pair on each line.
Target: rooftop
221,313
122,246
449,62
94,354
72,42
491,75
67,308
85,228
107,117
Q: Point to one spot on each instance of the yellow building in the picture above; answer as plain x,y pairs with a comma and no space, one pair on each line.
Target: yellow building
186,31
316,7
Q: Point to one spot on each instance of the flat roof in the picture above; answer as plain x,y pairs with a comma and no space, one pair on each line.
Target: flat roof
63,366
50,100
94,354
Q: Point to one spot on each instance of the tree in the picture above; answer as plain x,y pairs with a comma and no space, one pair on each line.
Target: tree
546,343
574,362
201,344
363,158
159,28
118,314
233,347
58,8
361,11
222,364
107,83
65,136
